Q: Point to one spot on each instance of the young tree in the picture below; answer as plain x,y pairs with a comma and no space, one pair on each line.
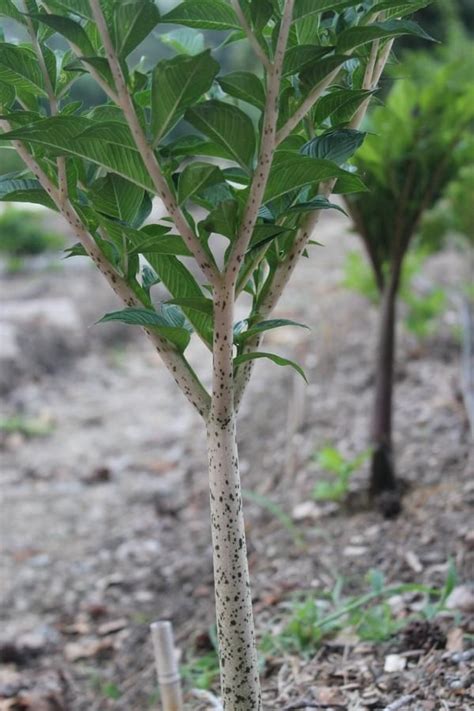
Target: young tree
418,142
259,152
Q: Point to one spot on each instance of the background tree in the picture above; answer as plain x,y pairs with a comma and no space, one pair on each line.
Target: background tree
259,156
418,143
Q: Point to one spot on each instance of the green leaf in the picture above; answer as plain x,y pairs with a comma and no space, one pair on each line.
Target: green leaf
204,14
116,197
185,40
7,94
201,304
340,105
314,75
154,239
303,56
24,190
178,83
290,172
263,233
19,68
223,219
244,86
400,8
181,284
195,178
318,203
226,125
77,7
70,29
244,357
356,36
105,144
305,8
337,145
8,9
349,183
265,326
149,318
133,20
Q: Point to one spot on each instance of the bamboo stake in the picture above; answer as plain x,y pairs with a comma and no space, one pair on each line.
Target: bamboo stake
167,671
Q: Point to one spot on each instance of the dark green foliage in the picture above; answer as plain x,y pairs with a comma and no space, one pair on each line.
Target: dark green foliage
214,113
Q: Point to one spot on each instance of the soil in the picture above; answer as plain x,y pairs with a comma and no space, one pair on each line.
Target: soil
105,517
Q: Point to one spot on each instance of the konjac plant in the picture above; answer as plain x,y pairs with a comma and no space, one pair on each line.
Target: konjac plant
418,143
247,158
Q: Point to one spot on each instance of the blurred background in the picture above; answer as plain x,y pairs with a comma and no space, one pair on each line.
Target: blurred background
105,514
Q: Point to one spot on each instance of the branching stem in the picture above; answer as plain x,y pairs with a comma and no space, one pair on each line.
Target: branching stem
267,149
146,151
254,43
180,369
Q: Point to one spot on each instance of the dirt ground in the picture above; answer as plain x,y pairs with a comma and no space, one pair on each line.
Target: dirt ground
105,517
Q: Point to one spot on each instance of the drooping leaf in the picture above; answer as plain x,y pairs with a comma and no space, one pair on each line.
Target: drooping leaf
244,86
263,326
133,20
290,172
106,145
24,190
337,145
204,14
149,318
177,84
244,357
226,125
356,36
116,197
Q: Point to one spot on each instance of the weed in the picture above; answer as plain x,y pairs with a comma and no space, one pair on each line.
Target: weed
29,427
341,469
369,616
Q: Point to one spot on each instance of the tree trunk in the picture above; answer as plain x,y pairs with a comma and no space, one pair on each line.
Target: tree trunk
240,684
383,483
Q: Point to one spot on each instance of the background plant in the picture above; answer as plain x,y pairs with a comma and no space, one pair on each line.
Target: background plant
340,468
418,144
248,159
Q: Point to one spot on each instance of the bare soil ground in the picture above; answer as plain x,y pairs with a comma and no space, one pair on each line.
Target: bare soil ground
105,518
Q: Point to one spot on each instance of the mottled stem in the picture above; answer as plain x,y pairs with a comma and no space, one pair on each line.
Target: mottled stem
267,149
254,43
240,684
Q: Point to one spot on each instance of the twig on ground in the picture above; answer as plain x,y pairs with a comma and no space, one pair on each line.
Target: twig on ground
400,703
209,698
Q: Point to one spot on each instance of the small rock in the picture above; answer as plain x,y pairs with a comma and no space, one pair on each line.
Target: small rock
394,663
328,695
461,598
413,561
